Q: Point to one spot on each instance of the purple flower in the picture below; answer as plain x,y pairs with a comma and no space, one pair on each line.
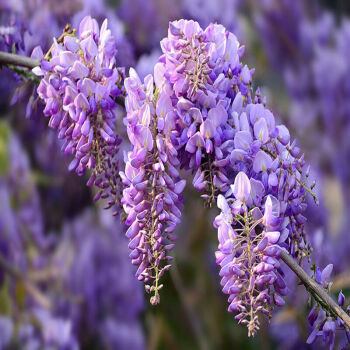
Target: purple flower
248,258
241,188
152,187
324,324
79,87
226,135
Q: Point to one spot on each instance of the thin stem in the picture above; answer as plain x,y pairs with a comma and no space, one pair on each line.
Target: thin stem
17,60
251,324
315,288
66,31
30,287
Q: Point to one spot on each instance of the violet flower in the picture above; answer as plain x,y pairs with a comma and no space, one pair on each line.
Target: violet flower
79,86
152,187
226,135
248,257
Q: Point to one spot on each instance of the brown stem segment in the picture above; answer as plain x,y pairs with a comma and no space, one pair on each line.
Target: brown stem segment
18,60
315,287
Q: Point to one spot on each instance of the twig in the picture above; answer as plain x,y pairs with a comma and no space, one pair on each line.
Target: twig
66,31
316,288
17,60
30,287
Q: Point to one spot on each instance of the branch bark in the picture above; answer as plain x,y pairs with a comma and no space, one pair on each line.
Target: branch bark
315,287
17,60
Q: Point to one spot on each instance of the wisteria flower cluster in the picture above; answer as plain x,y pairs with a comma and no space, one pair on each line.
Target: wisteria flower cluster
248,253
198,112
203,71
79,87
152,194
223,130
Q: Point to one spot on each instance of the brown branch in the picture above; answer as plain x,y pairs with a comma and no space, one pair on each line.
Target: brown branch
315,287
17,60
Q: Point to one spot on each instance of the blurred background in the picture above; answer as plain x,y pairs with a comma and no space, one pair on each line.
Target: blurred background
59,248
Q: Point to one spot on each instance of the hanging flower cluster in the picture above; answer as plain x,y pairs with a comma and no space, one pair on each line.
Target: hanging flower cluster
152,194
203,71
248,253
198,113
223,130
79,87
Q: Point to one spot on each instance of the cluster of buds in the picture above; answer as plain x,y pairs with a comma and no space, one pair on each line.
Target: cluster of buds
248,253
79,86
152,187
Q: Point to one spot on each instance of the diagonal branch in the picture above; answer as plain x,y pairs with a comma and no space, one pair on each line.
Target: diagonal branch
315,288
17,60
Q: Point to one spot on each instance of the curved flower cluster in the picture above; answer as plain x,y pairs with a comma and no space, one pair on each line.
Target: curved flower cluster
222,130
248,253
324,323
79,87
152,194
